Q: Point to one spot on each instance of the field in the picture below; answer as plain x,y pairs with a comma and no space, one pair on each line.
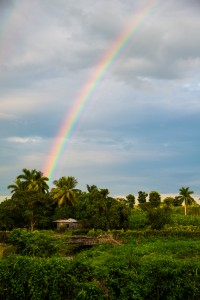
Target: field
140,268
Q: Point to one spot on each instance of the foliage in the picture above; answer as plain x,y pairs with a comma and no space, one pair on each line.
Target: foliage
99,211
177,201
3,236
18,186
154,198
24,278
41,244
189,220
167,232
137,219
64,212
159,217
145,206
11,214
149,268
65,191
30,181
27,209
142,197
193,210
131,200
96,232
169,201
185,196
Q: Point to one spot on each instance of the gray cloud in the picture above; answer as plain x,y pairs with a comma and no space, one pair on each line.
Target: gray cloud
139,129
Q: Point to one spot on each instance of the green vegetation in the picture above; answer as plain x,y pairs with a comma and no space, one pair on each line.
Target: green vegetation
185,196
65,191
148,268
148,250
30,181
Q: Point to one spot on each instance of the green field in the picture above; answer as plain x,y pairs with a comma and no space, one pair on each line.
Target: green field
140,268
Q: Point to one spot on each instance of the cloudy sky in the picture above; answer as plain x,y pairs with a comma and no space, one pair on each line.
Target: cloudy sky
139,129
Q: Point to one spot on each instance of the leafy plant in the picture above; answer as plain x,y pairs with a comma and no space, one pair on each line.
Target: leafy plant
159,217
40,244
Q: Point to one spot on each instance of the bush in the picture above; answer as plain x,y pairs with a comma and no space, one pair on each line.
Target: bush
162,269
188,220
82,231
159,217
137,219
96,232
35,243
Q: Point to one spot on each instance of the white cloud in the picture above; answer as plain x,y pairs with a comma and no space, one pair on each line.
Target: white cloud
24,140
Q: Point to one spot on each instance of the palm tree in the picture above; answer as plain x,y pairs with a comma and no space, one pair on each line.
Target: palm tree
17,187
94,189
91,188
65,190
34,180
185,196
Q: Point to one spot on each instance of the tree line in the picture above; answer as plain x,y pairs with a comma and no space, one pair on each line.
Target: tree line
34,206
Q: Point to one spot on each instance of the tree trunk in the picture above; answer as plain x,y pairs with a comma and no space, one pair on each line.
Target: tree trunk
185,208
32,225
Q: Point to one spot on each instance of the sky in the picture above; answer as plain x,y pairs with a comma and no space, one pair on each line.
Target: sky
139,130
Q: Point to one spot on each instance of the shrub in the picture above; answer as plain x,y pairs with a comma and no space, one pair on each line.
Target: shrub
35,243
137,219
96,232
159,217
188,220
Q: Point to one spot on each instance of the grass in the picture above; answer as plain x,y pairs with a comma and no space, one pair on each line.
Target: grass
144,249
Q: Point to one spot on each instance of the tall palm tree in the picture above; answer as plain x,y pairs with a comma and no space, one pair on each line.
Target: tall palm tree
185,196
65,190
34,180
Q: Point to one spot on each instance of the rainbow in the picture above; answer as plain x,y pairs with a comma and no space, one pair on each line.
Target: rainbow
67,127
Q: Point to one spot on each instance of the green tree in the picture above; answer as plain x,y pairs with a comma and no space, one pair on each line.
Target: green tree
185,197
131,200
37,209
28,209
17,187
30,180
91,188
11,214
94,190
65,190
154,198
177,201
169,201
99,211
142,197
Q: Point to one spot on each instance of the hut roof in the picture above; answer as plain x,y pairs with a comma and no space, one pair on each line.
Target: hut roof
70,220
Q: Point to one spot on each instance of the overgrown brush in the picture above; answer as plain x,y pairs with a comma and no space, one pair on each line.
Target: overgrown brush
142,269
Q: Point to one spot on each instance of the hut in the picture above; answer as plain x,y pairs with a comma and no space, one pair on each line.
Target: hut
68,223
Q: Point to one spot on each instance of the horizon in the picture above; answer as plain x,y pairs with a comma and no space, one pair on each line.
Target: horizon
163,196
